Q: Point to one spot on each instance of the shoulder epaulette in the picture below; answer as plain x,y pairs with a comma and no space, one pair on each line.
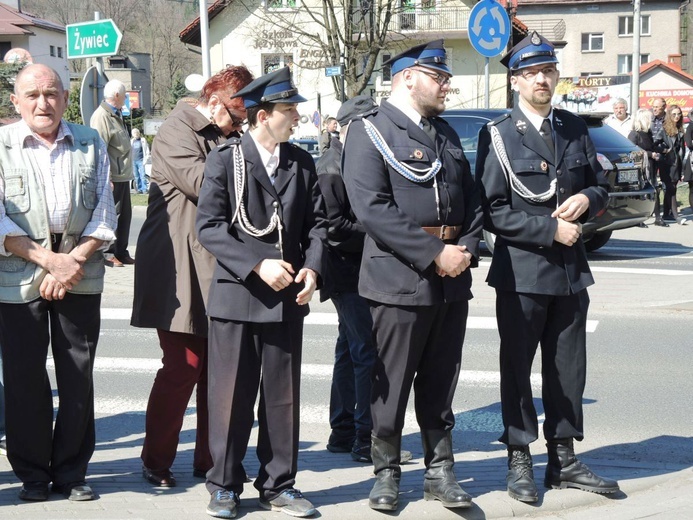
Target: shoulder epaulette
229,143
499,119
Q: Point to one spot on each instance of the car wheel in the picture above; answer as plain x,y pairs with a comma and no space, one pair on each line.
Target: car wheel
490,240
597,240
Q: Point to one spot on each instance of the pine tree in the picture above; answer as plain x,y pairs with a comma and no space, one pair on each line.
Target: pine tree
72,113
177,92
8,72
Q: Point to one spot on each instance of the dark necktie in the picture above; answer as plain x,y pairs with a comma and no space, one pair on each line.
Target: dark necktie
428,129
547,134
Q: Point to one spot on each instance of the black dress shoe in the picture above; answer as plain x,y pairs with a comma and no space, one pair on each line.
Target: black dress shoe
160,478
126,260
660,222
75,491
34,491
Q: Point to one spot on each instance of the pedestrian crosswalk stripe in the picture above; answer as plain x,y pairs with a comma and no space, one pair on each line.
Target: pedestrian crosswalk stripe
330,318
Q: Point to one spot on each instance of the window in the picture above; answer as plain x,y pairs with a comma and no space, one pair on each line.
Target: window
281,4
52,50
272,62
4,48
625,62
428,5
625,25
60,52
592,42
386,71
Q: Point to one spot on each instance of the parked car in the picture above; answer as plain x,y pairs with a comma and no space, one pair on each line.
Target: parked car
308,144
631,198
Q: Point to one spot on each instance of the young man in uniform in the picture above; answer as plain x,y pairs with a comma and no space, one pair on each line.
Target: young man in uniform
260,214
540,180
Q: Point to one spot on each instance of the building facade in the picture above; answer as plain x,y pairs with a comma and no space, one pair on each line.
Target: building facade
259,35
595,37
44,40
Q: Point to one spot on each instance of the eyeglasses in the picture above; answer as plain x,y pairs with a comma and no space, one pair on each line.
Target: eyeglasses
531,74
235,120
441,79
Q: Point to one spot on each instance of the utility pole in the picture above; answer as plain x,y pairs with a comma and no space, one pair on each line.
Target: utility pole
204,41
635,76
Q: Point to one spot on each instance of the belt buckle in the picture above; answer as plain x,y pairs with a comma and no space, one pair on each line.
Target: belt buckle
443,228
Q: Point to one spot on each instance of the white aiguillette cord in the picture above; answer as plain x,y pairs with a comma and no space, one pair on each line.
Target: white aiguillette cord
239,176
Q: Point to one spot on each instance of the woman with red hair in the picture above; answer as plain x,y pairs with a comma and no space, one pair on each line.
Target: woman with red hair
173,271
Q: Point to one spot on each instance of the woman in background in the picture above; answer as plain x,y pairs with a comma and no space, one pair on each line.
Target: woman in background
670,143
173,271
641,135
687,157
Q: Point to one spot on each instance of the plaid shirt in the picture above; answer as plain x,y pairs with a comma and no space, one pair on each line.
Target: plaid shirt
54,167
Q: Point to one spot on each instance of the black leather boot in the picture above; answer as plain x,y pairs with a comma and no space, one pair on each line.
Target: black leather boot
565,471
520,477
385,453
439,480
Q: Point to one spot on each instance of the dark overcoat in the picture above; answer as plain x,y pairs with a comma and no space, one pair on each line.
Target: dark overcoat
172,270
526,258
237,292
345,234
398,258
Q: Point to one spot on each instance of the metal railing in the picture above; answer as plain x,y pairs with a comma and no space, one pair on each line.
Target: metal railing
551,29
436,19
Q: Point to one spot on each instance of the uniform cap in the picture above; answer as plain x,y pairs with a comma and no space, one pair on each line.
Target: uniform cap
275,87
355,107
431,55
534,49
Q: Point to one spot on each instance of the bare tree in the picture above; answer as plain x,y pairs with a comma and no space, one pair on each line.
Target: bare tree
159,22
357,30
150,26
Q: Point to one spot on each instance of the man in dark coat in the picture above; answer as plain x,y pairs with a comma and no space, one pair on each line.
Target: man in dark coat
260,214
540,180
350,412
410,187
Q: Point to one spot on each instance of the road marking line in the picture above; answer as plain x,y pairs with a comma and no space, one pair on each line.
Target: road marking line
648,272
330,318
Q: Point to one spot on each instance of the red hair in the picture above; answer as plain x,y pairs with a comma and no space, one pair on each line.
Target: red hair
225,84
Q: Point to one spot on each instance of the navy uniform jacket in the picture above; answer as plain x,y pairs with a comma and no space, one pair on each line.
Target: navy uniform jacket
237,293
398,257
526,258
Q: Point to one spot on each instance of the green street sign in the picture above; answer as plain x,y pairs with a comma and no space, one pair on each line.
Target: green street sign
92,39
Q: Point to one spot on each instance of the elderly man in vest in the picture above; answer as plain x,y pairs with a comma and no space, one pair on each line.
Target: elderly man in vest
107,120
56,215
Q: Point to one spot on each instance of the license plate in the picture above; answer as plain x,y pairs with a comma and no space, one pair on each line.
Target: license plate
628,176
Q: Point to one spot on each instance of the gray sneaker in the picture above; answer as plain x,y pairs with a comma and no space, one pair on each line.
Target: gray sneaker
291,501
223,504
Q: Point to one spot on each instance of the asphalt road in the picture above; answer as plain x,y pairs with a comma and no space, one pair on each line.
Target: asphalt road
638,395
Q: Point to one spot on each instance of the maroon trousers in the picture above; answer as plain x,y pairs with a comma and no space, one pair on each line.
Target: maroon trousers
185,365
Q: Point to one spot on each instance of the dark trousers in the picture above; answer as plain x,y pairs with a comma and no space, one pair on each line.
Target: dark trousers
123,207
242,358
37,451
354,356
557,323
420,345
185,365
670,174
